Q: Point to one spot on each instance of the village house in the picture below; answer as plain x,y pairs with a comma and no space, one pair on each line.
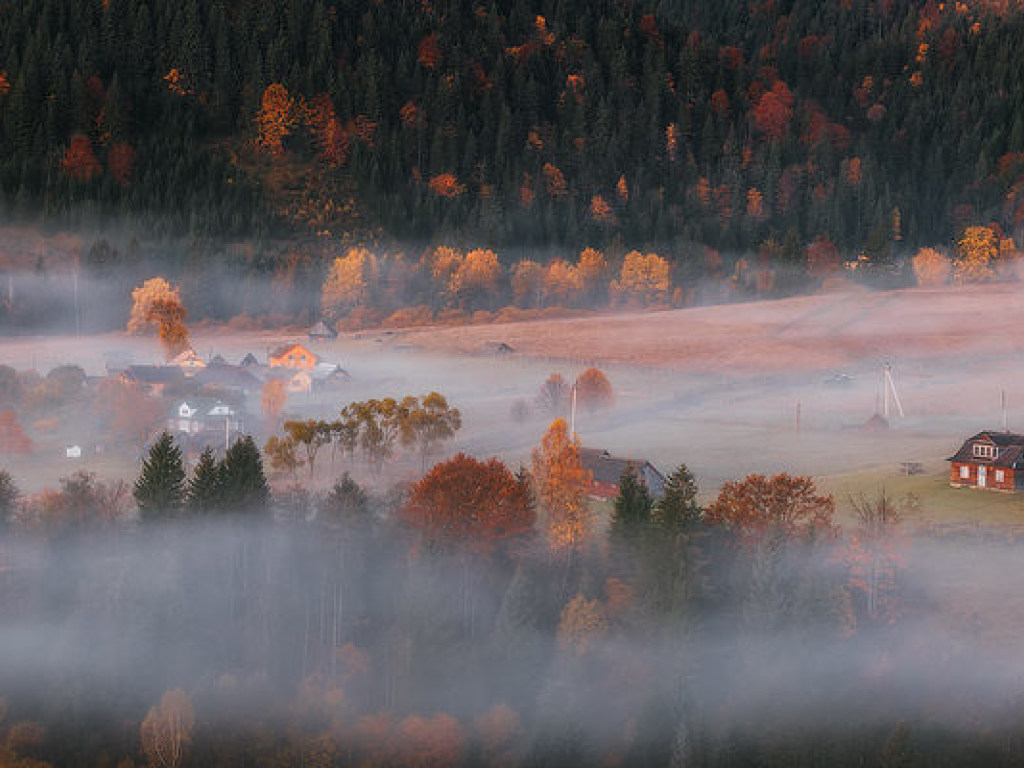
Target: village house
153,378
991,460
188,361
203,414
249,361
607,470
322,332
293,356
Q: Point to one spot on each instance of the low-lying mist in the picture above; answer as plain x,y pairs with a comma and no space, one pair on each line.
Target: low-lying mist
297,630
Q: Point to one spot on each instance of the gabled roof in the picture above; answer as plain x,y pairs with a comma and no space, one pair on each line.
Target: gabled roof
227,376
284,349
1010,445
217,360
323,330
249,361
609,469
153,374
201,405
188,357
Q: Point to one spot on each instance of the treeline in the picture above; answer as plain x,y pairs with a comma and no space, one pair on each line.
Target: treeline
478,617
881,126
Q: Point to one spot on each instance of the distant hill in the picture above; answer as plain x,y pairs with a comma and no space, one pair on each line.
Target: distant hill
882,125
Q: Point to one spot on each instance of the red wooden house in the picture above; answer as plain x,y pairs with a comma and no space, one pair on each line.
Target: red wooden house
991,460
607,470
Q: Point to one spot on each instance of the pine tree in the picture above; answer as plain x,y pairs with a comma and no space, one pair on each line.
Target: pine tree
204,489
9,494
160,489
633,506
346,505
243,485
677,510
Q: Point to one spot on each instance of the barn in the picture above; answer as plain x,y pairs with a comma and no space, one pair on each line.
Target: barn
607,470
991,460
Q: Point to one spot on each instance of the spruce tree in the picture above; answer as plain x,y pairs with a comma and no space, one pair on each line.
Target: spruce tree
633,506
677,510
160,489
346,505
9,494
204,492
243,484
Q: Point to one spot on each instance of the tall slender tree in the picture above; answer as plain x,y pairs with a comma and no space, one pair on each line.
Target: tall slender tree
204,489
243,484
160,490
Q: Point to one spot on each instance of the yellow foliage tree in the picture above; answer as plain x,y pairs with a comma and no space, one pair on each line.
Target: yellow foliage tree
527,284
350,282
561,484
976,253
167,730
645,279
143,298
581,622
931,267
475,282
563,285
275,118
593,272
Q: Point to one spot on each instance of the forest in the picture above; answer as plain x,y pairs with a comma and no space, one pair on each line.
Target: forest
761,127
481,616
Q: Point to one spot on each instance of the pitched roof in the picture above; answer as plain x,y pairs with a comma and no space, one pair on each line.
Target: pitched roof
284,349
323,329
609,469
1010,453
153,374
249,360
227,376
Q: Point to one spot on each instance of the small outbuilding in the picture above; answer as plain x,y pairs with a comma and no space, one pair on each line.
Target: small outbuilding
322,331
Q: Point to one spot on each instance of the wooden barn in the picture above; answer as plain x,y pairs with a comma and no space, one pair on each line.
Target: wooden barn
608,469
991,460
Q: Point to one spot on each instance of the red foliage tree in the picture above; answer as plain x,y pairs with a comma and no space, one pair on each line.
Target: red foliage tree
429,53
774,111
79,161
823,259
593,390
478,503
786,503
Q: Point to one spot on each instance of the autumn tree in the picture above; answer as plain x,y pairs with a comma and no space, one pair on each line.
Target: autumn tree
128,411
169,316
156,289
463,501
553,395
434,742
644,279
527,282
380,426
593,390
475,282
430,422
562,284
874,552
593,273
774,111
931,268
784,503
310,435
275,119
121,162
13,439
582,622
160,489
976,253
282,454
167,730
351,282
272,399
823,259
79,161
81,503
561,485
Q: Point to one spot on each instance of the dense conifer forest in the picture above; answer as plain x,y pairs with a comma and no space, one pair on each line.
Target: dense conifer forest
883,126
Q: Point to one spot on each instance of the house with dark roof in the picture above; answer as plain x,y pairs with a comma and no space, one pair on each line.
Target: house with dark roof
991,460
607,470
154,378
249,361
228,376
322,332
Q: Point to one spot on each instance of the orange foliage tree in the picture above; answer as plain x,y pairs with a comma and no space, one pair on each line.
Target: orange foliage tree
428,52
593,390
475,281
464,501
823,259
976,253
272,399
275,118
562,284
79,161
351,281
167,730
601,211
13,439
931,267
143,297
593,272
555,181
646,279
786,503
169,316
527,284
446,185
561,483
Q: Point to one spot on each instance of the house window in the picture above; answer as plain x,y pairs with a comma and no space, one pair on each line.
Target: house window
1000,476
983,451
965,472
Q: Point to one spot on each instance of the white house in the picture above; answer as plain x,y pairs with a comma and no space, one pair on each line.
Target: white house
202,414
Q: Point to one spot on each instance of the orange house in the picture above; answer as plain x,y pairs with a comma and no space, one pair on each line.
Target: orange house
293,356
